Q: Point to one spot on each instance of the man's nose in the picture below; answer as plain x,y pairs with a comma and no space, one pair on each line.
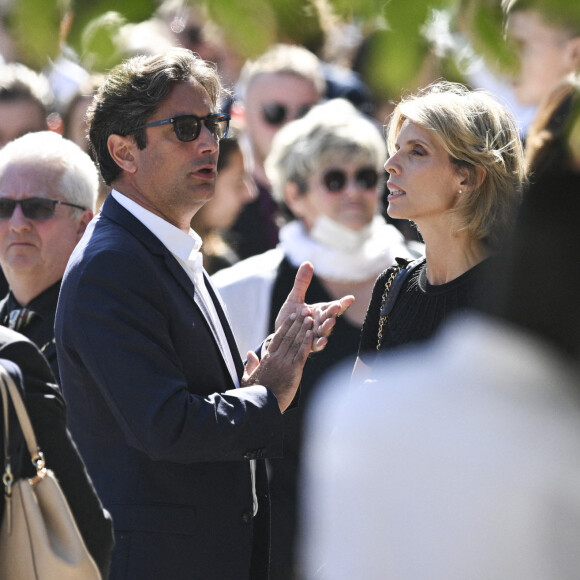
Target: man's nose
18,221
206,140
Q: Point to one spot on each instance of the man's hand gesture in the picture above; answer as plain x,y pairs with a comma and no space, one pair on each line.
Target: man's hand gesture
324,314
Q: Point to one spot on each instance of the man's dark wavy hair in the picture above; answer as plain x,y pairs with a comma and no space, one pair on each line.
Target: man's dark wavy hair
131,94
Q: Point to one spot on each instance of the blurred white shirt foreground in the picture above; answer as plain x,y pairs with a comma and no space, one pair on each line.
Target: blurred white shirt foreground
461,462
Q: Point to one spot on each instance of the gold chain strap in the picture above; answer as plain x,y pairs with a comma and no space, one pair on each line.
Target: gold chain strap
383,319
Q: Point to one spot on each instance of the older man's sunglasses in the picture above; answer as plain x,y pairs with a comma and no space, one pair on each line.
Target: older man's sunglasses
33,208
188,127
276,114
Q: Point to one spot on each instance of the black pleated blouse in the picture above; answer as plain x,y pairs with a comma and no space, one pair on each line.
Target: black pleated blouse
420,307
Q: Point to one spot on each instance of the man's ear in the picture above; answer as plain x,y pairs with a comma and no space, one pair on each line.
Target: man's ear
122,150
84,222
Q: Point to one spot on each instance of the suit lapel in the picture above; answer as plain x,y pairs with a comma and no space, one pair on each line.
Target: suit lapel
227,329
114,211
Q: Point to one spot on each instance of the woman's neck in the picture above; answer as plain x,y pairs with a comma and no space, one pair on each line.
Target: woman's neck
449,255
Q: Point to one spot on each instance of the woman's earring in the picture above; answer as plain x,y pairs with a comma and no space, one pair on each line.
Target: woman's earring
460,191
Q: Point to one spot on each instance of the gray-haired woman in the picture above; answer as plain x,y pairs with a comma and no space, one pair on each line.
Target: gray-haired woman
326,169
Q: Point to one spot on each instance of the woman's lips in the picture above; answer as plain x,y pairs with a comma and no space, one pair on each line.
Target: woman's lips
394,191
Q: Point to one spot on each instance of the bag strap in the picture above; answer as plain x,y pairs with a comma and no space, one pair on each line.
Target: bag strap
7,477
10,391
393,286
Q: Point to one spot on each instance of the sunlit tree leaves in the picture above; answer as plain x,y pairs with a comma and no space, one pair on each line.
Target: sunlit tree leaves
250,27
35,26
395,57
86,11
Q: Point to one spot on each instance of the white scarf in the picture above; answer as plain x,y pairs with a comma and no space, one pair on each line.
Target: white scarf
340,254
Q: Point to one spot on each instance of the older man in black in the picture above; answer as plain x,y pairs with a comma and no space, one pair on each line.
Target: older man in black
48,189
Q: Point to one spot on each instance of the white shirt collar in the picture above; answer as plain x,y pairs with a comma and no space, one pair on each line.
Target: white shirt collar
182,245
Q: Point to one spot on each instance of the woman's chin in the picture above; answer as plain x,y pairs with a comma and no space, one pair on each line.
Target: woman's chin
394,212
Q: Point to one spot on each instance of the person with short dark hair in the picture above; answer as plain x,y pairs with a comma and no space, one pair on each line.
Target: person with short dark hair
172,426
25,101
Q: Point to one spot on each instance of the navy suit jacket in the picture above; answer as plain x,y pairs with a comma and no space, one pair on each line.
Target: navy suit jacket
164,433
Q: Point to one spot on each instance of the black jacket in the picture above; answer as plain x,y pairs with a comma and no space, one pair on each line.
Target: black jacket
41,329
47,413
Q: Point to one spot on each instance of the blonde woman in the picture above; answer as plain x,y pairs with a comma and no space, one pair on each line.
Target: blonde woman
456,170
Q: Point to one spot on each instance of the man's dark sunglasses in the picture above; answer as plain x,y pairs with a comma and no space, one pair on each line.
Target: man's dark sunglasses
188,127
33,208
335,180
276,113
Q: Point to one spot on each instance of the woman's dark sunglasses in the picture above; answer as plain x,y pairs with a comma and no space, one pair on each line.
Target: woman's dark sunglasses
335,180
33,208
276,113
188,127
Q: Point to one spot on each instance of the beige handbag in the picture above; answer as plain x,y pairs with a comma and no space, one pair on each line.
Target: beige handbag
39,538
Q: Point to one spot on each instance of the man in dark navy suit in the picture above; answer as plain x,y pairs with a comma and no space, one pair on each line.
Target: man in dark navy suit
173,429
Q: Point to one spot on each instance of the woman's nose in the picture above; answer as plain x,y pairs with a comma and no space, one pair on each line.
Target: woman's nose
391,165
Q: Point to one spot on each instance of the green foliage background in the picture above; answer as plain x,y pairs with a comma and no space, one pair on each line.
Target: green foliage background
395,57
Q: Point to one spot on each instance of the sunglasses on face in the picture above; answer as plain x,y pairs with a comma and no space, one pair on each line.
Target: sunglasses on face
188,127
33,208
335,180
276,113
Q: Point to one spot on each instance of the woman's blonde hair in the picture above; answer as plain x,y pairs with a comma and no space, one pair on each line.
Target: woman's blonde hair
477,132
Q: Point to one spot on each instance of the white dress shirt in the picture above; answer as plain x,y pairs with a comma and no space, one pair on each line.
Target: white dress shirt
186,250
